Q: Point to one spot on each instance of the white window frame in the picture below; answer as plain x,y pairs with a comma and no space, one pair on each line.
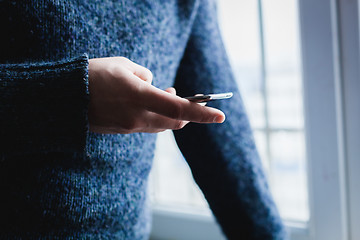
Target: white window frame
349,49
330,48
330,40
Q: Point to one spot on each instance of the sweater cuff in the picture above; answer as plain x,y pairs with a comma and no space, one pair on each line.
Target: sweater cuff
44,107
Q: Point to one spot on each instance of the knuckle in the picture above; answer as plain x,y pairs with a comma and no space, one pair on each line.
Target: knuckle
148,74
130,125
179,125
123,59
204,117
176,112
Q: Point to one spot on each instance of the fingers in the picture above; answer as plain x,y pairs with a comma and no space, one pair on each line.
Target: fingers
171,90
124,101
139,71
202,103
144,73
174,107
158,123
146,122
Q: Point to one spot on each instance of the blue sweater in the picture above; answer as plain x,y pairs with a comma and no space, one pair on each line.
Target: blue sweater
60,181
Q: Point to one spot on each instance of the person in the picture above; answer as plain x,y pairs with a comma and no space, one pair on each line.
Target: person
80,109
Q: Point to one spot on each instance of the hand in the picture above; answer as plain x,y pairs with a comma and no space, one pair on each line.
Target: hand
122,100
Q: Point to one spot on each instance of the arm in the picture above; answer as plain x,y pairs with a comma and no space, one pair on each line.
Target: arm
223,158
45,105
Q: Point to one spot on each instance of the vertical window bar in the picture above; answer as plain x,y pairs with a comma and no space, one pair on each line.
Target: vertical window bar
263,80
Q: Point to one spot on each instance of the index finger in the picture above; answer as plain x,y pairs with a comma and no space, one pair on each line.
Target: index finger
172,106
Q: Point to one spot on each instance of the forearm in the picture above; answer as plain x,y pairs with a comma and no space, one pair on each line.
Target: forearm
223,158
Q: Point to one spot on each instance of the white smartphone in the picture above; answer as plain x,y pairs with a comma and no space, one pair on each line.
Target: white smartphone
209,97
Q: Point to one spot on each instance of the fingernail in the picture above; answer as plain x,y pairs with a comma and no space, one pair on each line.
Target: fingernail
219,119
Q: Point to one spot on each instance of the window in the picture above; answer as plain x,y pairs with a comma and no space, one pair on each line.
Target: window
302,99
264,52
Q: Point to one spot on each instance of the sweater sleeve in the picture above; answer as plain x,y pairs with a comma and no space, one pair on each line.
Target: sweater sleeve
43,107
223,157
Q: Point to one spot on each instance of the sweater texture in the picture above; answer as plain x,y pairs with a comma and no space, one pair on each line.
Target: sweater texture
60,181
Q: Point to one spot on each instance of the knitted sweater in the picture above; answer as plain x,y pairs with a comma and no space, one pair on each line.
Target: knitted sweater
60,181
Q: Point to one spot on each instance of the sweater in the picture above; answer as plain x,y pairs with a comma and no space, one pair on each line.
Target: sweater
60,181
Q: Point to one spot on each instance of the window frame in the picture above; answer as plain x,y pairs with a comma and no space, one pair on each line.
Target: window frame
330,56
349,48
330,49
319,46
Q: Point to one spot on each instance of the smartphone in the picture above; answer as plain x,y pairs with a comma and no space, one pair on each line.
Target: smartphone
209,97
